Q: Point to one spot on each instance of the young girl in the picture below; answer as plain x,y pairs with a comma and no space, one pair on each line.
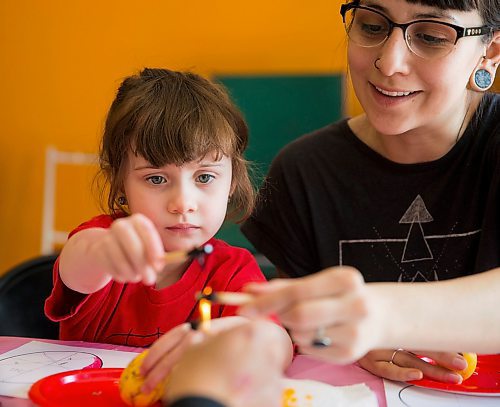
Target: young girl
409,190
172,153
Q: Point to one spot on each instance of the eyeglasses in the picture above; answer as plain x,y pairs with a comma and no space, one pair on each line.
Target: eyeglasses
428,39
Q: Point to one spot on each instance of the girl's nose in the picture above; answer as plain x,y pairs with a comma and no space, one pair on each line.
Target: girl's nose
393,57
181,201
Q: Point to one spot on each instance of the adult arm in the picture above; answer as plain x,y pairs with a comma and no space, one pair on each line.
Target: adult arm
453,315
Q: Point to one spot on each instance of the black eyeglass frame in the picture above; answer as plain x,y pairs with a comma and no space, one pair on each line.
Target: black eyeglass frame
461,31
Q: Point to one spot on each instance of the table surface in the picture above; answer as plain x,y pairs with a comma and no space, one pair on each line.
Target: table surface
303,367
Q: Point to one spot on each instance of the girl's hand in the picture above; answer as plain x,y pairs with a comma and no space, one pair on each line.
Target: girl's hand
405,366
334,300
131,250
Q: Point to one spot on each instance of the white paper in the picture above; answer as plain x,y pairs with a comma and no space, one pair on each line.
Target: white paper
23,366
311,393
407,395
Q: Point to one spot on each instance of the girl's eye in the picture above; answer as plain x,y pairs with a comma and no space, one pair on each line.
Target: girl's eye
156,179
205,178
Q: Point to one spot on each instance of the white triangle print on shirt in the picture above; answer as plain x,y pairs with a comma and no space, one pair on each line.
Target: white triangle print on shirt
416,247
415,256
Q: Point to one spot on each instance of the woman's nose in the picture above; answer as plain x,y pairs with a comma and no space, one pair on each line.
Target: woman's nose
394,55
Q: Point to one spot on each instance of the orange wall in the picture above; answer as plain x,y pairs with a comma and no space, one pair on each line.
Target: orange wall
62,61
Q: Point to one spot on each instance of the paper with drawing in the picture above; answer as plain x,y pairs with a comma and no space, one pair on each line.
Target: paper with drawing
21,367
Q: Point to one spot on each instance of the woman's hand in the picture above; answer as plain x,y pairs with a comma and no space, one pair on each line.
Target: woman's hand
405,366
335,301
169,348
166,352
239,367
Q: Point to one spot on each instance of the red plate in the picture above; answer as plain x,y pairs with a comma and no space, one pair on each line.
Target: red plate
80,388
485,381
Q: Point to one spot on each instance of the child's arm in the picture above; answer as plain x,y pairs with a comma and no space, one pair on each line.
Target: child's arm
130,250
78,268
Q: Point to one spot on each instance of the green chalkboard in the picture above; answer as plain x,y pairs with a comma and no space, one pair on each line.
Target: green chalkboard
279,109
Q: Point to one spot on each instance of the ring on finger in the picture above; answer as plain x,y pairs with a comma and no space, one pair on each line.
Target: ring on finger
394,355
321,340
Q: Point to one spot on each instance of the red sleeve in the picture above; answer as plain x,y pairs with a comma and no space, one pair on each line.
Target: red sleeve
100,221
63,302
249,272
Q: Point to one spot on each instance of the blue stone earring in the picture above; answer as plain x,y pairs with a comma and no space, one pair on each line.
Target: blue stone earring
482,79
122,201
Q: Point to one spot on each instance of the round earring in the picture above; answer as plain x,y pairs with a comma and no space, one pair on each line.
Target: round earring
375,64
122,201
481,79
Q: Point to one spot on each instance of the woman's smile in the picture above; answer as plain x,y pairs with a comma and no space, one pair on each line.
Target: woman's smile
391,97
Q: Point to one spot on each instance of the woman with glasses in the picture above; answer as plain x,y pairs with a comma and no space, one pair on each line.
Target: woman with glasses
409,191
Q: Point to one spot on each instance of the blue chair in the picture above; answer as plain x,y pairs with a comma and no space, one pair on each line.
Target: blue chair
23,291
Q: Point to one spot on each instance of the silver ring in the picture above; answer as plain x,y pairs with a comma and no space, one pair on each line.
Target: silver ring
375,63
394,355
321,340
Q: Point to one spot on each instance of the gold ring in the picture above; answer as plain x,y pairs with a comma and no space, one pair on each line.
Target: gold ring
394,355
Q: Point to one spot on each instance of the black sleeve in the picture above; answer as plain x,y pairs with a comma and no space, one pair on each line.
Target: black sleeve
195,402
489,251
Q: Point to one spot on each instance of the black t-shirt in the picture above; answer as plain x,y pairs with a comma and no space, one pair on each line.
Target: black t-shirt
331,200
195,402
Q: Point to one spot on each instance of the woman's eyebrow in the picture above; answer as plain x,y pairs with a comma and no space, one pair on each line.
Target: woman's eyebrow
374,6
433,14
436,14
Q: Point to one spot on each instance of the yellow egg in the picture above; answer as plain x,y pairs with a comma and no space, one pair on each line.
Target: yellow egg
471,359
131,381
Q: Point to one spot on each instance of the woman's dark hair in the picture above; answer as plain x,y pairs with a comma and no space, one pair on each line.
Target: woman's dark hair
489,10
171,117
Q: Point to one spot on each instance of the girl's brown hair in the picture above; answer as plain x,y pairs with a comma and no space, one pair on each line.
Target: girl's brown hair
171,117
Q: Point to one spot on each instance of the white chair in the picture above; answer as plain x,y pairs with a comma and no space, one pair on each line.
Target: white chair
50,236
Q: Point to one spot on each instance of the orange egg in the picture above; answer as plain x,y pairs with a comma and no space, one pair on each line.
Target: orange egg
131,381
471,359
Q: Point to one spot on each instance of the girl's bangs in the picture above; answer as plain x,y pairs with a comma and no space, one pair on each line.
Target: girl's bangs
166,141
